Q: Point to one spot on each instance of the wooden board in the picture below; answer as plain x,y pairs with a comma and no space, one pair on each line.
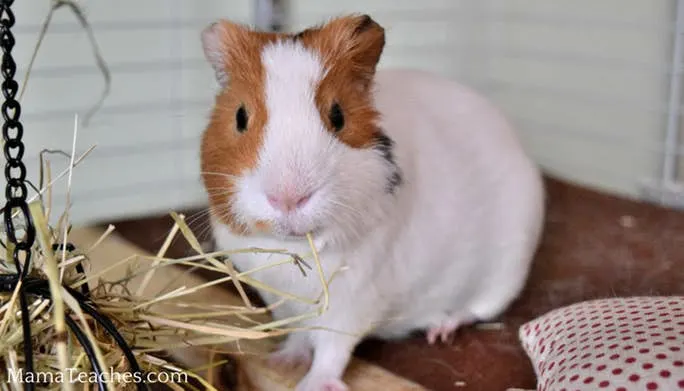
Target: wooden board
252,373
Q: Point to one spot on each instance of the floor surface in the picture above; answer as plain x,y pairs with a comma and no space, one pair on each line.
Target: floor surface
595,245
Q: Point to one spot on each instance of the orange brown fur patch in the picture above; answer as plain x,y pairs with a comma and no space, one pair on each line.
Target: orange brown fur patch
225,152
350,47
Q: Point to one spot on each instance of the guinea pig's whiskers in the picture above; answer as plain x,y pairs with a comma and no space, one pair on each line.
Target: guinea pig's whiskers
218,209
204,231
201,224
355,212
348,220
222,174
197,216
221,192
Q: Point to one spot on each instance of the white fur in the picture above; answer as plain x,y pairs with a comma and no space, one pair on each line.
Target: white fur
456,238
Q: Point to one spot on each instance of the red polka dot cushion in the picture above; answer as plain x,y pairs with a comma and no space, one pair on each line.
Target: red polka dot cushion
619,344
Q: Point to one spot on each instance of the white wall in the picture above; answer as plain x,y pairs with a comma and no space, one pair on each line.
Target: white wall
585,81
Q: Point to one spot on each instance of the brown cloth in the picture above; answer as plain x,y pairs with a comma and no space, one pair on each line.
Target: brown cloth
595,245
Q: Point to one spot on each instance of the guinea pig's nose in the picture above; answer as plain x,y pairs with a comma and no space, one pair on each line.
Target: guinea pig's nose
285,202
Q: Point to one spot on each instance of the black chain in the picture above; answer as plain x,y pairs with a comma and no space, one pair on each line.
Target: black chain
12,132
15,174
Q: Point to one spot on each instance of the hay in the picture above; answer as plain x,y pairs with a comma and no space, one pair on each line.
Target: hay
150,322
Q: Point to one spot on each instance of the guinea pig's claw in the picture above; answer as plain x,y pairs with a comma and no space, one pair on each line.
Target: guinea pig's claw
446,329
440,333
444,332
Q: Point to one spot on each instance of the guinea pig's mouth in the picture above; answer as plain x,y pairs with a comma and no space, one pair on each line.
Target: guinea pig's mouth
301,235
287,231
294,235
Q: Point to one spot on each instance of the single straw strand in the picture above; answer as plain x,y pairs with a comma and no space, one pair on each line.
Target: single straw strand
52,272
65,229
160,254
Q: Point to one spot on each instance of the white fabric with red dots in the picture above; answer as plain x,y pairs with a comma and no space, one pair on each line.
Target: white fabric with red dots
617,344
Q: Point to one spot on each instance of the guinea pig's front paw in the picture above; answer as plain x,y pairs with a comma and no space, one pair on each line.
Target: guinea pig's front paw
316,382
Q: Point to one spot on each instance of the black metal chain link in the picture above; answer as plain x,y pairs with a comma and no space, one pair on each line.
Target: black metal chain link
12,133
15,175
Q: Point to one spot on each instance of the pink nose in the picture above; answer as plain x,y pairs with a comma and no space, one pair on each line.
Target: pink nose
287,202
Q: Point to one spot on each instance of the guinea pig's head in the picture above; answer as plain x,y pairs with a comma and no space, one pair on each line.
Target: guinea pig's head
293,144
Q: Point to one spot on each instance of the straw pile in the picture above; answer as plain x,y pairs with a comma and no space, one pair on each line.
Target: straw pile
150,322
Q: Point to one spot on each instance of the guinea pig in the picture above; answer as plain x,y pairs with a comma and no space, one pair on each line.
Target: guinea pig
424,208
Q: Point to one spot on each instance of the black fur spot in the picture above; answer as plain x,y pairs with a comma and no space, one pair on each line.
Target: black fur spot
300,35
365,24
395,180
385,146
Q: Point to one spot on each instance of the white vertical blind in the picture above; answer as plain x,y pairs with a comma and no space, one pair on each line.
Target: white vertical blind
587,84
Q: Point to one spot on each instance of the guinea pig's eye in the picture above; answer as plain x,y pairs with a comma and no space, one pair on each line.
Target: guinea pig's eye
336,117
241,119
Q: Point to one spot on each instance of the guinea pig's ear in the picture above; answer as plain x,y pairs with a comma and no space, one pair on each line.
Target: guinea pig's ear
353,41
220,41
